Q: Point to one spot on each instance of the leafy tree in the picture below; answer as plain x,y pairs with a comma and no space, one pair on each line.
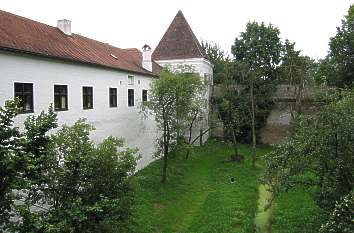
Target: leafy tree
23,158
326,73
319,155
342,52
87,188
62,182
172,101
232,106
298,72
259,49
341,219
10,164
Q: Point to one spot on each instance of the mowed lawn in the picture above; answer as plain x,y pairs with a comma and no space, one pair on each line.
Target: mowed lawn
199,195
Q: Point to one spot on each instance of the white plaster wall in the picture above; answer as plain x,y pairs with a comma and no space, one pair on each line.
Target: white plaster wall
122,121
200,66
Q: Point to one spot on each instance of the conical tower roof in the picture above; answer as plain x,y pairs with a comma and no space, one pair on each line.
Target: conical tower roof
178,42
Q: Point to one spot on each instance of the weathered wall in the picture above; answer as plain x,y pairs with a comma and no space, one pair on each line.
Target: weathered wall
277,125
122,121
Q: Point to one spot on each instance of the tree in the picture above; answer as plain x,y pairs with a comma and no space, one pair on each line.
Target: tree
298,72
232,105
342,52
258,48
10,164
171,101
341,219
86,189
319,155
62,182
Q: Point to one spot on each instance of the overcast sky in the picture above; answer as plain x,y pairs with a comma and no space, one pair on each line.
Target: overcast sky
132,23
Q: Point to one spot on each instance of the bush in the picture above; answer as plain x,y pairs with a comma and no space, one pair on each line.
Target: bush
341,219
63,182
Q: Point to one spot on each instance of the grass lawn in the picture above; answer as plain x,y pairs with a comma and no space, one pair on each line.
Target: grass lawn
295,212
199,196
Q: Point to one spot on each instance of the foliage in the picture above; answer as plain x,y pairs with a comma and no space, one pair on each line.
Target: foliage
319,154
259,47
199,196
297,71
337,68
87,187
341,219
258,51
62,182
342,52
232,106
176,99
10,161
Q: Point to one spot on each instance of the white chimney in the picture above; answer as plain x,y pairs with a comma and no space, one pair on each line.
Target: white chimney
147,63
64,25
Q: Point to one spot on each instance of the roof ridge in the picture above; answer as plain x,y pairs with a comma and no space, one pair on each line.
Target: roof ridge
53,27
20,34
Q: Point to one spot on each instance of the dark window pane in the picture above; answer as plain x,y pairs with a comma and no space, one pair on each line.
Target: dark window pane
87,97
144,95
24,92
113,97
60,97
130,97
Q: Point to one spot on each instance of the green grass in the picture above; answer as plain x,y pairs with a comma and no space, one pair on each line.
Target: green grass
198,196
295,212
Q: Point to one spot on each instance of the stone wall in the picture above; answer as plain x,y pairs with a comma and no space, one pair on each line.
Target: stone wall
278,124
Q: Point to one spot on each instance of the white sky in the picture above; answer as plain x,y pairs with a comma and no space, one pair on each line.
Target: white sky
132,23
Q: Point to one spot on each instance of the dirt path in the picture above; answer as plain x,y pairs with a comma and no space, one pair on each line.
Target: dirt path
263,218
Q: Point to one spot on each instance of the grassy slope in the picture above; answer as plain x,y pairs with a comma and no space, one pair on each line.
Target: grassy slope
199,196
295,212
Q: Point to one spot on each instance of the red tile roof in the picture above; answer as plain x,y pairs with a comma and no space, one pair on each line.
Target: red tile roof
24,35
178,42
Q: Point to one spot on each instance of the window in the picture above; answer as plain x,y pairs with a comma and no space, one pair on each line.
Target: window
60,97
112,97
24,91
130,80
139,81
87,97
130,97
145,95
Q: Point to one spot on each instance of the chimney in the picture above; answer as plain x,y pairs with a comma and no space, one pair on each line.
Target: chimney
147,63
64,25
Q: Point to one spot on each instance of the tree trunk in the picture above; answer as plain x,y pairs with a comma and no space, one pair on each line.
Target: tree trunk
165,153
253,126
201,136
234,143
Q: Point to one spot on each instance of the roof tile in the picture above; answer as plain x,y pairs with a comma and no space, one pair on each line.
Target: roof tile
25,35
178,42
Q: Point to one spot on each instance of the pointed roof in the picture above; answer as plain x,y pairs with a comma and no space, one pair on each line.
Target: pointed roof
178,42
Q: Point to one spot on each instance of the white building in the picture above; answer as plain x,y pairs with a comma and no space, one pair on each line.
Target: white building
85,78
